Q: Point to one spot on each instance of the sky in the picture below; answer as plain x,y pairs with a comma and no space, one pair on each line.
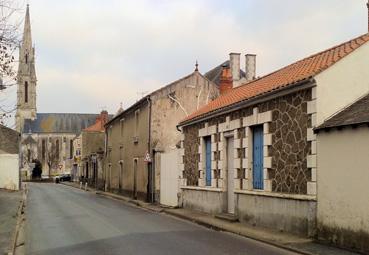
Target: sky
93,55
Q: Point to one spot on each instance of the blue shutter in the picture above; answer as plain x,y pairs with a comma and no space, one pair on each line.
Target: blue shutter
258,157
208,161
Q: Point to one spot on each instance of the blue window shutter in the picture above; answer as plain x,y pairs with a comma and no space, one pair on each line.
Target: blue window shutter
208,160
258,157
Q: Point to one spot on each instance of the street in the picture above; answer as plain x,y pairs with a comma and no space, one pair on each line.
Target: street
65,220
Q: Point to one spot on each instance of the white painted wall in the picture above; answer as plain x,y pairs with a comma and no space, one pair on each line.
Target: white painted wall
343,83
9,171
343,179
169,178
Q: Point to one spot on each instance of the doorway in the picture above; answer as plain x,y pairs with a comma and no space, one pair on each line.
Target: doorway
230,175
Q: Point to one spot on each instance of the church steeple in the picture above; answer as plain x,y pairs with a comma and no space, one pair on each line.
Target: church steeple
27,36
26,78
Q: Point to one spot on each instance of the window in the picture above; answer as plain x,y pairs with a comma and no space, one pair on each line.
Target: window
71,148
207,141
26,57
29,155
26,92
43,149
136,122
121,127
57,148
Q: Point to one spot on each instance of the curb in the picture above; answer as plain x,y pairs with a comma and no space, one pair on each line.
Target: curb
127,200
19,225
219,228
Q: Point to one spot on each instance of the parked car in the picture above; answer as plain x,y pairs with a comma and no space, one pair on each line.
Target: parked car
65,178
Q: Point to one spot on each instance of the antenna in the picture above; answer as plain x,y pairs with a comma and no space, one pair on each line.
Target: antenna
141,94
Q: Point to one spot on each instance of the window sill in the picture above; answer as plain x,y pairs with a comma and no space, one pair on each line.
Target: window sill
202,188
277,195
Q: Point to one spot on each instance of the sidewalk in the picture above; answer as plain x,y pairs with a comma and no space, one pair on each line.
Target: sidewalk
276,238
9,205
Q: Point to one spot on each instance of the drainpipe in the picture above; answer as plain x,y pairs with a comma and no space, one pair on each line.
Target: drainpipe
106,156
20,161
150,165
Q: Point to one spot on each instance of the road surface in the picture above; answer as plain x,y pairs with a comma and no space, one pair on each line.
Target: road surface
65,220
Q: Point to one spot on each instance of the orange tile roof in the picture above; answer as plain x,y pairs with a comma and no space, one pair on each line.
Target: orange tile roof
291,74
97,127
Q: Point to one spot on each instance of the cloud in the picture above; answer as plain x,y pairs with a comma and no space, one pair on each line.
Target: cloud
93,53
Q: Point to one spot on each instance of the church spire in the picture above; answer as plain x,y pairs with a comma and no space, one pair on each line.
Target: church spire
26,78
27,37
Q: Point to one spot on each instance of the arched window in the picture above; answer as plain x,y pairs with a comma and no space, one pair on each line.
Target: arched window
26,58
26,92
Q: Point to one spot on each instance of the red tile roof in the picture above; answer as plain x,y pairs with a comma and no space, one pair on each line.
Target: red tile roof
99,123
291,74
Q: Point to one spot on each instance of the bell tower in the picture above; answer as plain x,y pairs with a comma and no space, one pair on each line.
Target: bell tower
26,77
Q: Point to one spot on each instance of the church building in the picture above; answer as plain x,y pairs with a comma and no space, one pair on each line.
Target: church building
46,137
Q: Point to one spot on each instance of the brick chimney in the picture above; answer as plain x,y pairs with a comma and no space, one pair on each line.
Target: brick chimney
104,116
226,81
250,67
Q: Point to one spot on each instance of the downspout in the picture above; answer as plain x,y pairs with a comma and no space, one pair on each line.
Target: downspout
150,164
106,157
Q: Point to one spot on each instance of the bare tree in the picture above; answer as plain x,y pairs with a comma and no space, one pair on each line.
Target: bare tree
52,157
9,42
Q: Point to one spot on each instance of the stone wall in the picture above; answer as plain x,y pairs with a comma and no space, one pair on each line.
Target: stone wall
289,172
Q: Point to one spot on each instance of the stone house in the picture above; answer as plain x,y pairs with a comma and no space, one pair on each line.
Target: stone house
92,143
252,152
147,129
77,159
343,177
9,158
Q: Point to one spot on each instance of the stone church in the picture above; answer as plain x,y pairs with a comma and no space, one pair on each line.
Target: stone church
47,137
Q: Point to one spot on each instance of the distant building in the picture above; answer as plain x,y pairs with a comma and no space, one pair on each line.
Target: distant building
90,145
47,137
140,137
9,158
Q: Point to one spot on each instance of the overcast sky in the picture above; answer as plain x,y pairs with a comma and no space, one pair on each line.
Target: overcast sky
93,54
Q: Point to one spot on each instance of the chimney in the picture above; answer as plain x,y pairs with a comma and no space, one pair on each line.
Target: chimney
234,62
104,117
226,82
250,67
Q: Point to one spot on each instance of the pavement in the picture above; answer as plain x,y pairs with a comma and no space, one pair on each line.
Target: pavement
66,220
288,241
9,205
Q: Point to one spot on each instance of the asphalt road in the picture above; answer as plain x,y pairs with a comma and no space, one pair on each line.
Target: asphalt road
65,220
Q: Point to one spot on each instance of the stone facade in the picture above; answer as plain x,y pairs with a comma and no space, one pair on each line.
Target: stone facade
286,147
288,170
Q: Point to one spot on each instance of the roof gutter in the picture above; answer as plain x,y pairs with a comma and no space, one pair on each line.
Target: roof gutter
300,85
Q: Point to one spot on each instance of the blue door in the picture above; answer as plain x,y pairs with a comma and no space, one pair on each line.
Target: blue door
208,160
258,157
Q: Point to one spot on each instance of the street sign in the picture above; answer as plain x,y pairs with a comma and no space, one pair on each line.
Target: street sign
147,157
